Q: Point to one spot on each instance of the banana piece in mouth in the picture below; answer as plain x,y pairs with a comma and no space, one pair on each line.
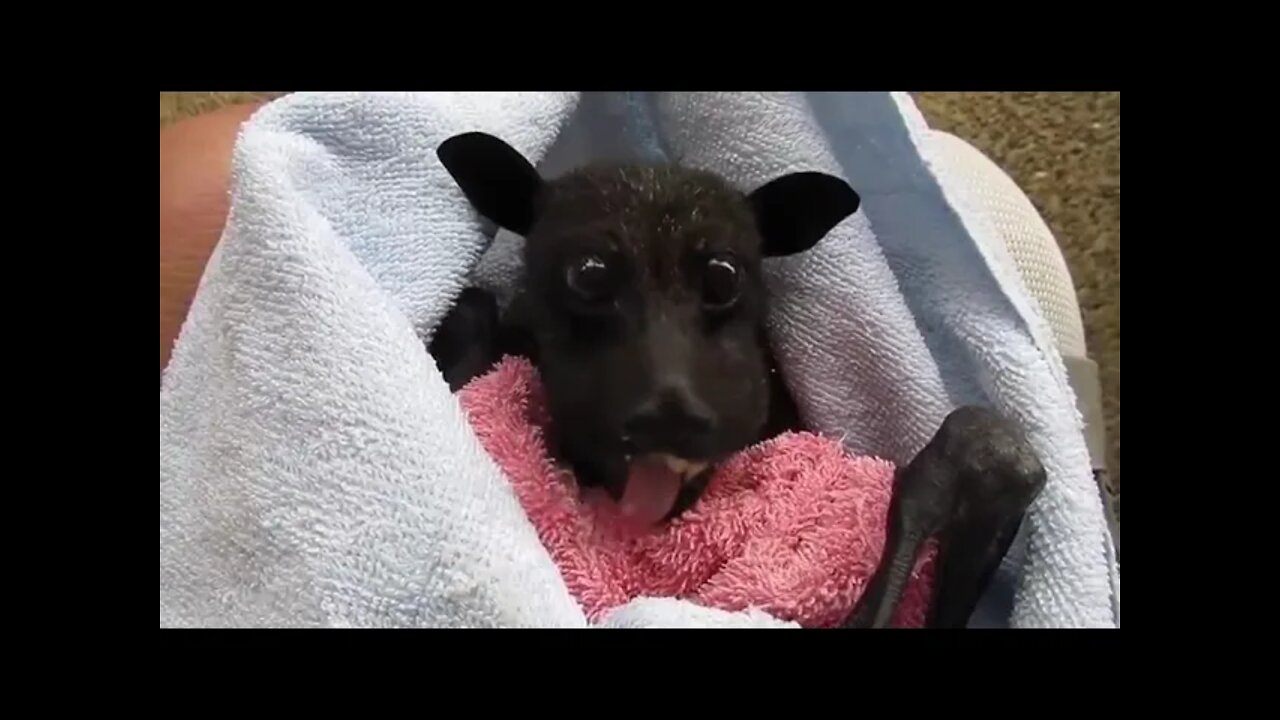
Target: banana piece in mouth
686,469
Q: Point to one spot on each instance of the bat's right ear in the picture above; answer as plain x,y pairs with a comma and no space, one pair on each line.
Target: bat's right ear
495,178
795,211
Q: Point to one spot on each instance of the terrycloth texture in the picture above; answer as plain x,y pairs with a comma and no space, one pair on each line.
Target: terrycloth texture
315,470
794,526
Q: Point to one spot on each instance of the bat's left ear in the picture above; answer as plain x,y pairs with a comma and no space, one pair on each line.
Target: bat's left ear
795,211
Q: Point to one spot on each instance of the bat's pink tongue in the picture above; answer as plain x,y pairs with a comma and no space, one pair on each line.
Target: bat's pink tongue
651,491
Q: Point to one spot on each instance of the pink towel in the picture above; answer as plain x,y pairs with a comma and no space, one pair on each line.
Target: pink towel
793,526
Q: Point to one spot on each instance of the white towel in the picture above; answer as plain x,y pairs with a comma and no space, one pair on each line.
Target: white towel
315,470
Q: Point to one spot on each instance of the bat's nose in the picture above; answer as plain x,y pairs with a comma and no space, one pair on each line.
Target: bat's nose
671,412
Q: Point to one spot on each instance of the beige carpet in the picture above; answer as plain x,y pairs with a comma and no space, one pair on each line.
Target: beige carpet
1063,149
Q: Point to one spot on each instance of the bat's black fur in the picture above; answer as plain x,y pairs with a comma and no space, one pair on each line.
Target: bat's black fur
642,306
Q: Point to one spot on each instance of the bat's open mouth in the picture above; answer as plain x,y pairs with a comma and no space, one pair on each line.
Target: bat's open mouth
653,486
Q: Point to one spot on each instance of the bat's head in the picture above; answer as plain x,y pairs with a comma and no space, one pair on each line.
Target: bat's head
645,298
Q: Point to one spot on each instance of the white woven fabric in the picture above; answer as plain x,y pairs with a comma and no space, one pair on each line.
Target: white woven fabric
1027,239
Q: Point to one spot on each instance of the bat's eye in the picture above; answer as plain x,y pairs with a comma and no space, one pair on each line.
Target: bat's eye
720,283
589,278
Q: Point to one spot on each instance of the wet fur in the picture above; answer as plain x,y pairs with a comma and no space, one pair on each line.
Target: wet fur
656,226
